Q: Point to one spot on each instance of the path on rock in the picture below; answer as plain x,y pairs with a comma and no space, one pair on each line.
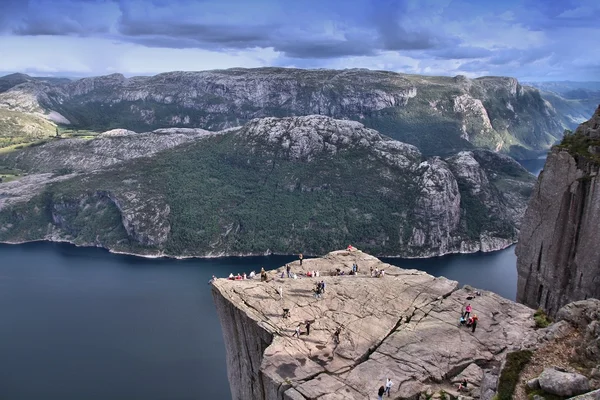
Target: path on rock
403,326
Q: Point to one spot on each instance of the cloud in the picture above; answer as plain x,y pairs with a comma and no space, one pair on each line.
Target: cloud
449,37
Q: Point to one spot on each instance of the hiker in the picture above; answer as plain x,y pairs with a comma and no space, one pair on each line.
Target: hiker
280,291
323,286
462,320
462,386
468,310
469,322
388,386
252,274
300,257
297,332
371,268
336,335
286,313
214,278
263,276
307,328
244,277
380,393
289,270
262,270
474,323
282,274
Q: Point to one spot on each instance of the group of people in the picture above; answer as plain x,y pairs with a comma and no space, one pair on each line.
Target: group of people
319,289
377,273
468,320
385,389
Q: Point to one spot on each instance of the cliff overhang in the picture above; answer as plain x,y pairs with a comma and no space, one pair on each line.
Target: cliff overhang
403,326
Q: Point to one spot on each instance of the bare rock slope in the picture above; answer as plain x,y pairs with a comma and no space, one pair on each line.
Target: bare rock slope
403,326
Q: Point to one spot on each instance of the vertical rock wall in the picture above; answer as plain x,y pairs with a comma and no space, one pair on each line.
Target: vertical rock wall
559,249
245,343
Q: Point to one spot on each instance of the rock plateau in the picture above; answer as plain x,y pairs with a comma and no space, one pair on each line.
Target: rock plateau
403,326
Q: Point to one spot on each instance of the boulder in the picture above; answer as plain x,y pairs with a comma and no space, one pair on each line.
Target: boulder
562,383
473,374
595,395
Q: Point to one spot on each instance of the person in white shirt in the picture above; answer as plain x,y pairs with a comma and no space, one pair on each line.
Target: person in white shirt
388,386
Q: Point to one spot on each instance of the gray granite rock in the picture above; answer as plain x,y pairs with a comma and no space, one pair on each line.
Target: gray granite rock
403,326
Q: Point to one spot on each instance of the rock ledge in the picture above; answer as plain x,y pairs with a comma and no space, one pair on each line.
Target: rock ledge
403,326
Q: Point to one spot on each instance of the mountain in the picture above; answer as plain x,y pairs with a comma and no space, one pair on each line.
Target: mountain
558,259
439,115
575,101
275,185
9,81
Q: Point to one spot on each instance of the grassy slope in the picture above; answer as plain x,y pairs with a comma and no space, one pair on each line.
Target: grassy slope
17,128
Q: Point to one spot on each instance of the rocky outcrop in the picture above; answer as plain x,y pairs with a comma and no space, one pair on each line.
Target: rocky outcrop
186,192
433,113
403,326
558,255
563,383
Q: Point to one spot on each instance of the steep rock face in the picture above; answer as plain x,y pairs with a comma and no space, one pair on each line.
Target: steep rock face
278,185
438,114
402,326
558,255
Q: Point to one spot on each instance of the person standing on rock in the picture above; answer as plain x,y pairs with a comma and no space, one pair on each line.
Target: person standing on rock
300,257
468,310
336,335
280,291
307,328
323,286
474,323
388,386
289,271
297,332
380,393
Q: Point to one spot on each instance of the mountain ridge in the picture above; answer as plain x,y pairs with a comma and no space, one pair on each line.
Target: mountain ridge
437,114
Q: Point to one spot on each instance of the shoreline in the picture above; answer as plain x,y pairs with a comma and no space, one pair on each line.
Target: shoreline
265,254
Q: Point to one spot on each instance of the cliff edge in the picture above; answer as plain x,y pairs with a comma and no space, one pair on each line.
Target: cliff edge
558,253
403,326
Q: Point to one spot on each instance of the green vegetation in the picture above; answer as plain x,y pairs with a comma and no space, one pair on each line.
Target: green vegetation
21,129
541,319
515,362
578,145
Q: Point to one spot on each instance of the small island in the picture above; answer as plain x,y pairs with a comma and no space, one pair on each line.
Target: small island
401,324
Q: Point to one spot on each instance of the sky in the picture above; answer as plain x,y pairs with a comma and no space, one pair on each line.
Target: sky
533,40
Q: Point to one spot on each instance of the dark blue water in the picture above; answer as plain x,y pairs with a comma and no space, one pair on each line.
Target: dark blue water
81,323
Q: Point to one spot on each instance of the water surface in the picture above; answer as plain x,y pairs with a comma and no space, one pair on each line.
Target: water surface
81,323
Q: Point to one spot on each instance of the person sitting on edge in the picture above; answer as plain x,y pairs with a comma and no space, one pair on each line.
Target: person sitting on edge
252,274
244,277
231,276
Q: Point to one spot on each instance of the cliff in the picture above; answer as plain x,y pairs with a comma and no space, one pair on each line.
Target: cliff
403,326
437,114
275,185
558,253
